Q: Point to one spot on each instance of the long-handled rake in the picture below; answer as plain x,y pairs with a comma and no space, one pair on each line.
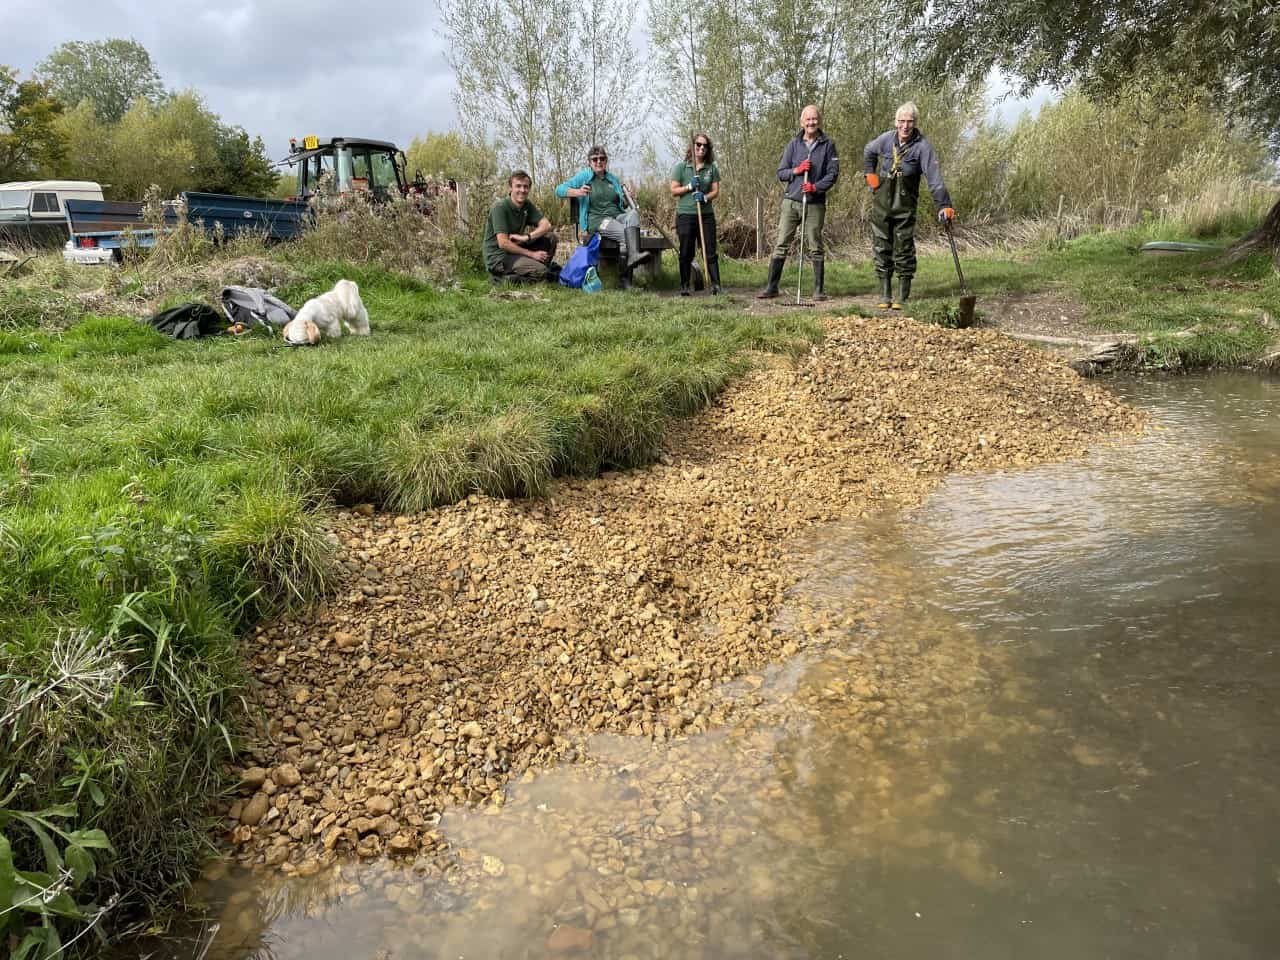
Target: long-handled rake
804,209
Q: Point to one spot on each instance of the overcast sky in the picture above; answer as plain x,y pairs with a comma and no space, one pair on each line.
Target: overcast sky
279,69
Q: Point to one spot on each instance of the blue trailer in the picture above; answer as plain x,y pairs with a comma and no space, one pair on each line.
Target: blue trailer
274,220
100,229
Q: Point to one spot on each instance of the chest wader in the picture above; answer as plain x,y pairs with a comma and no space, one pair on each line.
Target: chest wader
893,232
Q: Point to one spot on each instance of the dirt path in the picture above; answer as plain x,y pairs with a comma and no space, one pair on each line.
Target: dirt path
473,643
1045,316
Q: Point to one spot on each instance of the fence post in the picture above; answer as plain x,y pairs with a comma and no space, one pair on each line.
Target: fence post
464,209
759,227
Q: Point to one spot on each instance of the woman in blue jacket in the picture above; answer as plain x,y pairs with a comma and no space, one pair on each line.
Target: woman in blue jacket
603,208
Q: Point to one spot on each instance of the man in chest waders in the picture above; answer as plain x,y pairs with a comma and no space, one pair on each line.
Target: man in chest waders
893,163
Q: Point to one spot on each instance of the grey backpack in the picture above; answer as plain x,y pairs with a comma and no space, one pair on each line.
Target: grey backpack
253,306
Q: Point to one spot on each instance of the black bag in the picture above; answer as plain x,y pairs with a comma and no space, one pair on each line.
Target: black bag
187,321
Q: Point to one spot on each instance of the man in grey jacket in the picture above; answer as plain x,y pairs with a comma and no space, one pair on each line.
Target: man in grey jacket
809,168
893,163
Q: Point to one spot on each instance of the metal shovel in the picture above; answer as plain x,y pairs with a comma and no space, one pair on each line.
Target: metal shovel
967,300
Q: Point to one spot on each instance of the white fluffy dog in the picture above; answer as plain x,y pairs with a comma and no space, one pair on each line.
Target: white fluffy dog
323,317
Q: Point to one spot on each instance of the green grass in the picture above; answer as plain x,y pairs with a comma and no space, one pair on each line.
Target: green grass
156,497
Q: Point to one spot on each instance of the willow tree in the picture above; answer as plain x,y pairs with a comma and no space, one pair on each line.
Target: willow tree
544,79
503,96
1227,52
611,104
741,70
679,47
707,68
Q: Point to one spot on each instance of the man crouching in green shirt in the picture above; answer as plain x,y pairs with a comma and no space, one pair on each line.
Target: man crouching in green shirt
511,248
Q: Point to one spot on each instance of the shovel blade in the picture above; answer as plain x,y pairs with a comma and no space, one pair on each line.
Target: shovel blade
966,311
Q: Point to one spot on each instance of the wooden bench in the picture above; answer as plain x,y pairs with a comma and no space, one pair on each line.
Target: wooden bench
654,246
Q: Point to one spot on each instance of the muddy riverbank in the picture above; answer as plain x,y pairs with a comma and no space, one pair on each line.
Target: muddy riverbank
474,643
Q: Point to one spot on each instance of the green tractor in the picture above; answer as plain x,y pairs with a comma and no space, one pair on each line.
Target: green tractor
347,164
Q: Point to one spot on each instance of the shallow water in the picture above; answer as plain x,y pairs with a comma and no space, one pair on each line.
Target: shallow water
1042,719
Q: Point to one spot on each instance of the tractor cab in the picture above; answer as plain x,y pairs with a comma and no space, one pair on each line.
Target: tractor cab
347,164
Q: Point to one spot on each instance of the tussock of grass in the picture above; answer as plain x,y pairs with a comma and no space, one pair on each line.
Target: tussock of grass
1210,345
273,533
508,455
26,308
427,468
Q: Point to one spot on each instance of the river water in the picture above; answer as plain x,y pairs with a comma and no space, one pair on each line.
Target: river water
1040,717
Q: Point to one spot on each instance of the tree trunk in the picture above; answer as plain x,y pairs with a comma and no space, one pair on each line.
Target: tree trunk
1263,239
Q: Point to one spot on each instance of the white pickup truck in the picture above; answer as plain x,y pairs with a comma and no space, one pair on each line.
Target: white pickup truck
33,212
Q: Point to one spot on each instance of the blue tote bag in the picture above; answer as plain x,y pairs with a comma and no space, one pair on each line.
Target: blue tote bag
575,269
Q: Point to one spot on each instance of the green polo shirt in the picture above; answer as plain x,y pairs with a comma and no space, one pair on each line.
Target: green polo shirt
682,173
603,202
506,217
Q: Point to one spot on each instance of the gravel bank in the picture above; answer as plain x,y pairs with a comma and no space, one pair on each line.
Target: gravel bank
472,643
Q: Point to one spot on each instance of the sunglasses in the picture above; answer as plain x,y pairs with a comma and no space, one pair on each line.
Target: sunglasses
597,157
702,146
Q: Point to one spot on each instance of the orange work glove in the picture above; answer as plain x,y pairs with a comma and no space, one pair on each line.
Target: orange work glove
873,181
946,213
803,167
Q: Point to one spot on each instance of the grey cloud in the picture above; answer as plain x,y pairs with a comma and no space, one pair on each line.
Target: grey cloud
278,69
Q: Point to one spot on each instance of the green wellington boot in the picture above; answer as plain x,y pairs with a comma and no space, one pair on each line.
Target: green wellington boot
904,293
775,275
819,277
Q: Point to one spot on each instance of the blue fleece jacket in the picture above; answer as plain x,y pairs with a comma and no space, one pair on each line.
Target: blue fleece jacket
582,178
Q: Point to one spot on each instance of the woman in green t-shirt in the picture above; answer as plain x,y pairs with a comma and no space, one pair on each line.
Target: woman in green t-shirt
695,183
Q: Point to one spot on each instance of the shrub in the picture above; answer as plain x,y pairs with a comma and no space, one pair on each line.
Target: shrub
399,234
